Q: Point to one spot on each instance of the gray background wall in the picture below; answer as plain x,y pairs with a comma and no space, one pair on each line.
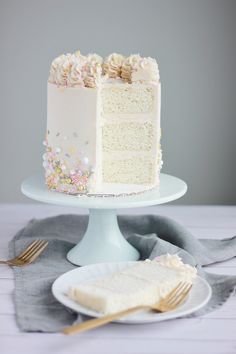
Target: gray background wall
195,44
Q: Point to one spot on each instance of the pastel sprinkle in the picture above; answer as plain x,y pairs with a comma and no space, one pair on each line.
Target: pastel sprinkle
62,179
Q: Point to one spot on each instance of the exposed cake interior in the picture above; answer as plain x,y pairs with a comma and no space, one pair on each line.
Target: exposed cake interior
130,134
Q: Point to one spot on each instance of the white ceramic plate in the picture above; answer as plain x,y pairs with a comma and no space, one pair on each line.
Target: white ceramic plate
198,297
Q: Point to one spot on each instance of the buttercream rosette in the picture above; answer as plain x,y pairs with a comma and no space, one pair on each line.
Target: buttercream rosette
128,67
112,65
59,69
93,74
145,69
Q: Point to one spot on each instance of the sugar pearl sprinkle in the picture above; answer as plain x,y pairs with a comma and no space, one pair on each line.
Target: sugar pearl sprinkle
62,179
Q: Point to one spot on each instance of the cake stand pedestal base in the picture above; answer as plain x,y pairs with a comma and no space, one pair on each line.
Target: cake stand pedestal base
102,241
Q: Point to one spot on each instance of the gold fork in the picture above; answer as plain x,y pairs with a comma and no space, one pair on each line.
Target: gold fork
174,299
28,255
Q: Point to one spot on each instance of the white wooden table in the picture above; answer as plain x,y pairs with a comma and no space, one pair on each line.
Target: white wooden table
214,333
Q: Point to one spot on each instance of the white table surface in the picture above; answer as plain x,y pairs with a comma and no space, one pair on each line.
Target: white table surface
213,333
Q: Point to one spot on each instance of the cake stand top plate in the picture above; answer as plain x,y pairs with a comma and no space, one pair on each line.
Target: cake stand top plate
171,188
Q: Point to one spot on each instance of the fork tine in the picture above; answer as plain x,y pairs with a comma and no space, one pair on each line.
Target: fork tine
27,249
173,292
33,250
37,253
177,293
37,250
182,296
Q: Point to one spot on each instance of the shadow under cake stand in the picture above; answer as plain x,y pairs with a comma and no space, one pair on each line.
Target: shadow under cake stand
103,240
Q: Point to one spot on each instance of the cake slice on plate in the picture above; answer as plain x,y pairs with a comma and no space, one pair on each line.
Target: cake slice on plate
144,283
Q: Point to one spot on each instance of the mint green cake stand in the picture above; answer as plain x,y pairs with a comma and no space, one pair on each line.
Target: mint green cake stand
103,240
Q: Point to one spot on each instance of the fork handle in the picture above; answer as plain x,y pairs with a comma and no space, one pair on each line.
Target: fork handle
96,322
3,262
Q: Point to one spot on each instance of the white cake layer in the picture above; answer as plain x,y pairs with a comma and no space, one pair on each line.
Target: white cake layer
130,136
142,284
120,99
136,170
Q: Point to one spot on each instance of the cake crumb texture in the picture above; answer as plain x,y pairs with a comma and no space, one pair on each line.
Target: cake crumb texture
127,99
128,136
136,170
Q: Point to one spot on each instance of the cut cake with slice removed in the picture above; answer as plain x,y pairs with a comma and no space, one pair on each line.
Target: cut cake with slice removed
103,125
144,283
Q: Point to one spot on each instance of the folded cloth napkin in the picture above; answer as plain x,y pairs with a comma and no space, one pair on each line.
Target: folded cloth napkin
38,310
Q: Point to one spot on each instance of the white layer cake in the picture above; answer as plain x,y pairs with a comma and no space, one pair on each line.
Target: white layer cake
141,284
103,125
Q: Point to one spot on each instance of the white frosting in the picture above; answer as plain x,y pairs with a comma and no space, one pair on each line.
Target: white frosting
93,74
138,69
76,75
71,70
94,58
170,260
59,70
113,64
174,261
71,122
128,65
146,70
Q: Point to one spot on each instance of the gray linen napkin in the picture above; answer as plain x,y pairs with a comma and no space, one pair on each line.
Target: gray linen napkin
36,308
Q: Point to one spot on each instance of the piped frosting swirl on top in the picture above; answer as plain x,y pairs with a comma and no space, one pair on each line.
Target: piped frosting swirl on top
73,70
112,65
128,67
